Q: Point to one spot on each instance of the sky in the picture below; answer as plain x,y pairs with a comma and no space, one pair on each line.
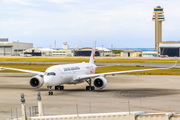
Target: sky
121,23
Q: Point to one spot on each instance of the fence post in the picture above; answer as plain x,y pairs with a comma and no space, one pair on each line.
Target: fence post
128,107
90,107
11,113
16,114
77,108
30,112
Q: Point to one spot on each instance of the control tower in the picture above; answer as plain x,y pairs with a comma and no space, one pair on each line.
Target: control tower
158,17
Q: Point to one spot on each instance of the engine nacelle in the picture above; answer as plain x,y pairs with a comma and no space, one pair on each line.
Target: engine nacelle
36,81
100,83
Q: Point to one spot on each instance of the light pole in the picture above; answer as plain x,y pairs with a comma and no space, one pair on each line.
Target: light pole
17,46
111,50
55,44
102,51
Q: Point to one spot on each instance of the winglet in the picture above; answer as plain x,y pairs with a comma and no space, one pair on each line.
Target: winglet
93,53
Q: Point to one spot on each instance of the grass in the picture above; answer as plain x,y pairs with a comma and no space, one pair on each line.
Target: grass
78,60
42,68
172,71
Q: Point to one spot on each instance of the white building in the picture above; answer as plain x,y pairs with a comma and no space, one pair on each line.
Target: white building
38,51
149,53
65,46
104,51
62,53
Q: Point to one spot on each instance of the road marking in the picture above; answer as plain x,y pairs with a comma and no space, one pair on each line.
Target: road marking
159,109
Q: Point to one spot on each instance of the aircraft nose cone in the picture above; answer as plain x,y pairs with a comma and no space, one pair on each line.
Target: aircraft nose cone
48,81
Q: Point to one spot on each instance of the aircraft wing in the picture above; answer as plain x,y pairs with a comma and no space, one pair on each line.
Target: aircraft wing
22,70
81,77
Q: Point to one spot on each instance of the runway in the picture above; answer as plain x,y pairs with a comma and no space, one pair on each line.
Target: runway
144,92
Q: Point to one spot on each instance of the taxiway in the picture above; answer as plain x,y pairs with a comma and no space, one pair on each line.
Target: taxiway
144,92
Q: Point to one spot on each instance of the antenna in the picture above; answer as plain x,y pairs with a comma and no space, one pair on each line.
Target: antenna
81,43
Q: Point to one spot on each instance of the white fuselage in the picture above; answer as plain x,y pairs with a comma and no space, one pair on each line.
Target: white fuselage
65,74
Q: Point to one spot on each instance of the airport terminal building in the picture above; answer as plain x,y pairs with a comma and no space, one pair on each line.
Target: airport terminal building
12,48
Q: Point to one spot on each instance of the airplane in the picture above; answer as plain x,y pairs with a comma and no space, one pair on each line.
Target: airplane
25,55
58,75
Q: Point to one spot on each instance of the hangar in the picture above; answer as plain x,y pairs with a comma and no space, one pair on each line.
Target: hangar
104,51
170,48
86,51
12,48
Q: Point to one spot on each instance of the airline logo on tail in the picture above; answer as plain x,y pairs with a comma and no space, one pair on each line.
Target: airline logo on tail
93,53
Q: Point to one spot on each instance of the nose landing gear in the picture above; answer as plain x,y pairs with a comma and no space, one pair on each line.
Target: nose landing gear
50,90
50,93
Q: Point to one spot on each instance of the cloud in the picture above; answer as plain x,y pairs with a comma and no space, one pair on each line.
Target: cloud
62,1
23,2
71,20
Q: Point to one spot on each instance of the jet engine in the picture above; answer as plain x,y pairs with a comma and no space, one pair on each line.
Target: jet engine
100,83
36,81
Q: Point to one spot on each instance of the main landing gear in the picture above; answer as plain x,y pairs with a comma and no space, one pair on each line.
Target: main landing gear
59,87
90,87
50,90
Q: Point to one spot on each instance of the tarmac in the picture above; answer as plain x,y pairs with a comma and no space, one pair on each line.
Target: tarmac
149,93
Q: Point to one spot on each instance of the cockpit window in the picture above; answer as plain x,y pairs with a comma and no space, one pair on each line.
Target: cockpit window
50,73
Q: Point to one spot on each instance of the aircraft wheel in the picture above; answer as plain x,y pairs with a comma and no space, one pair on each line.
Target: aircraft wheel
56,87
50,93
88,88
92,88
61,87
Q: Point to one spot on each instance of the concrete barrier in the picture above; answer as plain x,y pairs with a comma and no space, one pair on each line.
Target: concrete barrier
139,115
154,116
98,116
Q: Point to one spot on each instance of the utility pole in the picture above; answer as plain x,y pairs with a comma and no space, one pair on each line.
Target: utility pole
111,50
55,44
17,46
102,51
